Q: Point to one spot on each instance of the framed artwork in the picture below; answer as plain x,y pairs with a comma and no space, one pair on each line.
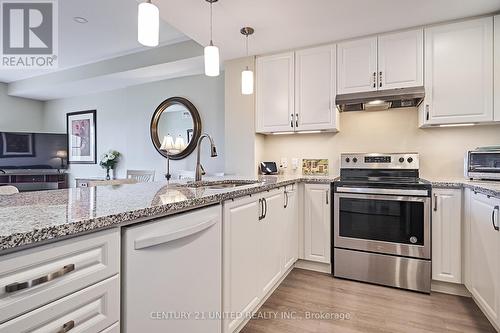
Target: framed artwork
82,137
315,167
189,135
17,145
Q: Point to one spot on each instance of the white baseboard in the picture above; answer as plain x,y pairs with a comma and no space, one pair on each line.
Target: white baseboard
314,266
449,288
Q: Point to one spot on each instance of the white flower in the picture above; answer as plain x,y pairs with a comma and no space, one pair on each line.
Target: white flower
105,159
111,157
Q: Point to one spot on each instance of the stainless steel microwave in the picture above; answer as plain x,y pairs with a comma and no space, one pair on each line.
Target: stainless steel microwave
483,163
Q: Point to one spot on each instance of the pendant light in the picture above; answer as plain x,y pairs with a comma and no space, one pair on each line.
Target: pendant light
211,51
247,74
148,24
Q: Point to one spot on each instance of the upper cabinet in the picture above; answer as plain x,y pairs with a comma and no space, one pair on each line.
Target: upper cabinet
388,61
275,93
315,89
296,91
458,73
357,65
497,67
401,60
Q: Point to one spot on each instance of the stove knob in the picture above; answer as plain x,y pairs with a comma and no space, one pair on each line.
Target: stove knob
355,160
347,159
401,159
410,159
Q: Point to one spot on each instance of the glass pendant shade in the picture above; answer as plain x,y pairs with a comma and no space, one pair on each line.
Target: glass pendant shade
212,60
247,82
148,26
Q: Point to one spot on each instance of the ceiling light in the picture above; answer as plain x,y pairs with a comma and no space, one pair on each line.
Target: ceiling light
211,51
81,20
148,24
247,74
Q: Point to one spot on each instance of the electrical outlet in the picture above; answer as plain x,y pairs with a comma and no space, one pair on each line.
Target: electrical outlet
295,163
284,162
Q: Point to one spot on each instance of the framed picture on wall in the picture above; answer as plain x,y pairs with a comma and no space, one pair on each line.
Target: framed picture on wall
17,145
82,137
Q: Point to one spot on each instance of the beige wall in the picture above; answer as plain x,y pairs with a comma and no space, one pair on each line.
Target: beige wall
441,149
19,114
242,144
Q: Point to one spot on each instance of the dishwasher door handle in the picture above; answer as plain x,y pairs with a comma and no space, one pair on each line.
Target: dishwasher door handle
143,243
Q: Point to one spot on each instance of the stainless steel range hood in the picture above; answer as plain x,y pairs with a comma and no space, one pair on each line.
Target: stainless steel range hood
381,100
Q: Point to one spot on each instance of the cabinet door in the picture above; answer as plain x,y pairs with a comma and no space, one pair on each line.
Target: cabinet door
459,73
274,93
270,235
241,258
315,88
485,247
290,228
357,65
446,235
317,222
497,68
401,60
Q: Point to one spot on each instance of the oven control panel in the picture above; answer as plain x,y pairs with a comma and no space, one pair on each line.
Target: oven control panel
379,161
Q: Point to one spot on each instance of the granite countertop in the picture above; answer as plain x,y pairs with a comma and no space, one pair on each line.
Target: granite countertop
33,217
491,188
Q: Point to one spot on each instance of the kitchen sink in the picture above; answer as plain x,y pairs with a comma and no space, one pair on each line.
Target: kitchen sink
218,184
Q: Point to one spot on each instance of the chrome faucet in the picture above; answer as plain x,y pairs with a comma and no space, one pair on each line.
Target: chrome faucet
213,153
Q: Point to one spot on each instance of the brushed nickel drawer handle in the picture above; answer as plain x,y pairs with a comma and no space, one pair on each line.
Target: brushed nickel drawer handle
67,327
16,286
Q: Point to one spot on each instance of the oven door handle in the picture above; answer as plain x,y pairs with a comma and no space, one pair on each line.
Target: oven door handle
386,191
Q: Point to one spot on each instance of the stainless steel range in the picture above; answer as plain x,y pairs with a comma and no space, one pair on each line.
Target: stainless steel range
381,221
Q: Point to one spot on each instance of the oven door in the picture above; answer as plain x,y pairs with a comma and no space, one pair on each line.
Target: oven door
389,224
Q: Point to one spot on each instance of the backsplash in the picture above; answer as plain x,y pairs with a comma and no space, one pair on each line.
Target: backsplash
442,150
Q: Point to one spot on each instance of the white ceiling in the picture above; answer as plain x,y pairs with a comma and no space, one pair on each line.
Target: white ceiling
111,31
288,24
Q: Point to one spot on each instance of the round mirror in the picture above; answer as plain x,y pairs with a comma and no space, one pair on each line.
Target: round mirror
175,128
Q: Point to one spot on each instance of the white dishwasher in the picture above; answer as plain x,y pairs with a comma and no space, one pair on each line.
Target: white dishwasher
172,274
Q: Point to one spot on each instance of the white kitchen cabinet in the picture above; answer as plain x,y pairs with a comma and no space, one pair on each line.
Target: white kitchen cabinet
484,251
496,61
357,65
275,93
290,227
270,245
446,235
458,73
401,60
73,265
315,89
92,309
317,214
241,231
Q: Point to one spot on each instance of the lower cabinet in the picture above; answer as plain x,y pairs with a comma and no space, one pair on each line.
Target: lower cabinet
317,214
260,234
446,235
484,254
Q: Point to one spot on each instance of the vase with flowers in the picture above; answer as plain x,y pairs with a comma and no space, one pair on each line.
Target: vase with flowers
109,161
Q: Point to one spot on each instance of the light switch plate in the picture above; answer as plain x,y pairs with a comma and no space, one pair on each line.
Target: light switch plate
295,163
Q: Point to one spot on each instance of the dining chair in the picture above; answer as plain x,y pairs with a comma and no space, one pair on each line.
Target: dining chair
8,189
142,176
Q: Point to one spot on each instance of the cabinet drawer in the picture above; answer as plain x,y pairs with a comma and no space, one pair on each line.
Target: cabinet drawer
115,328
90,310
34,277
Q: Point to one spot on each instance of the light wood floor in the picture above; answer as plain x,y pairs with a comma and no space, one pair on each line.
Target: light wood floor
372,309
